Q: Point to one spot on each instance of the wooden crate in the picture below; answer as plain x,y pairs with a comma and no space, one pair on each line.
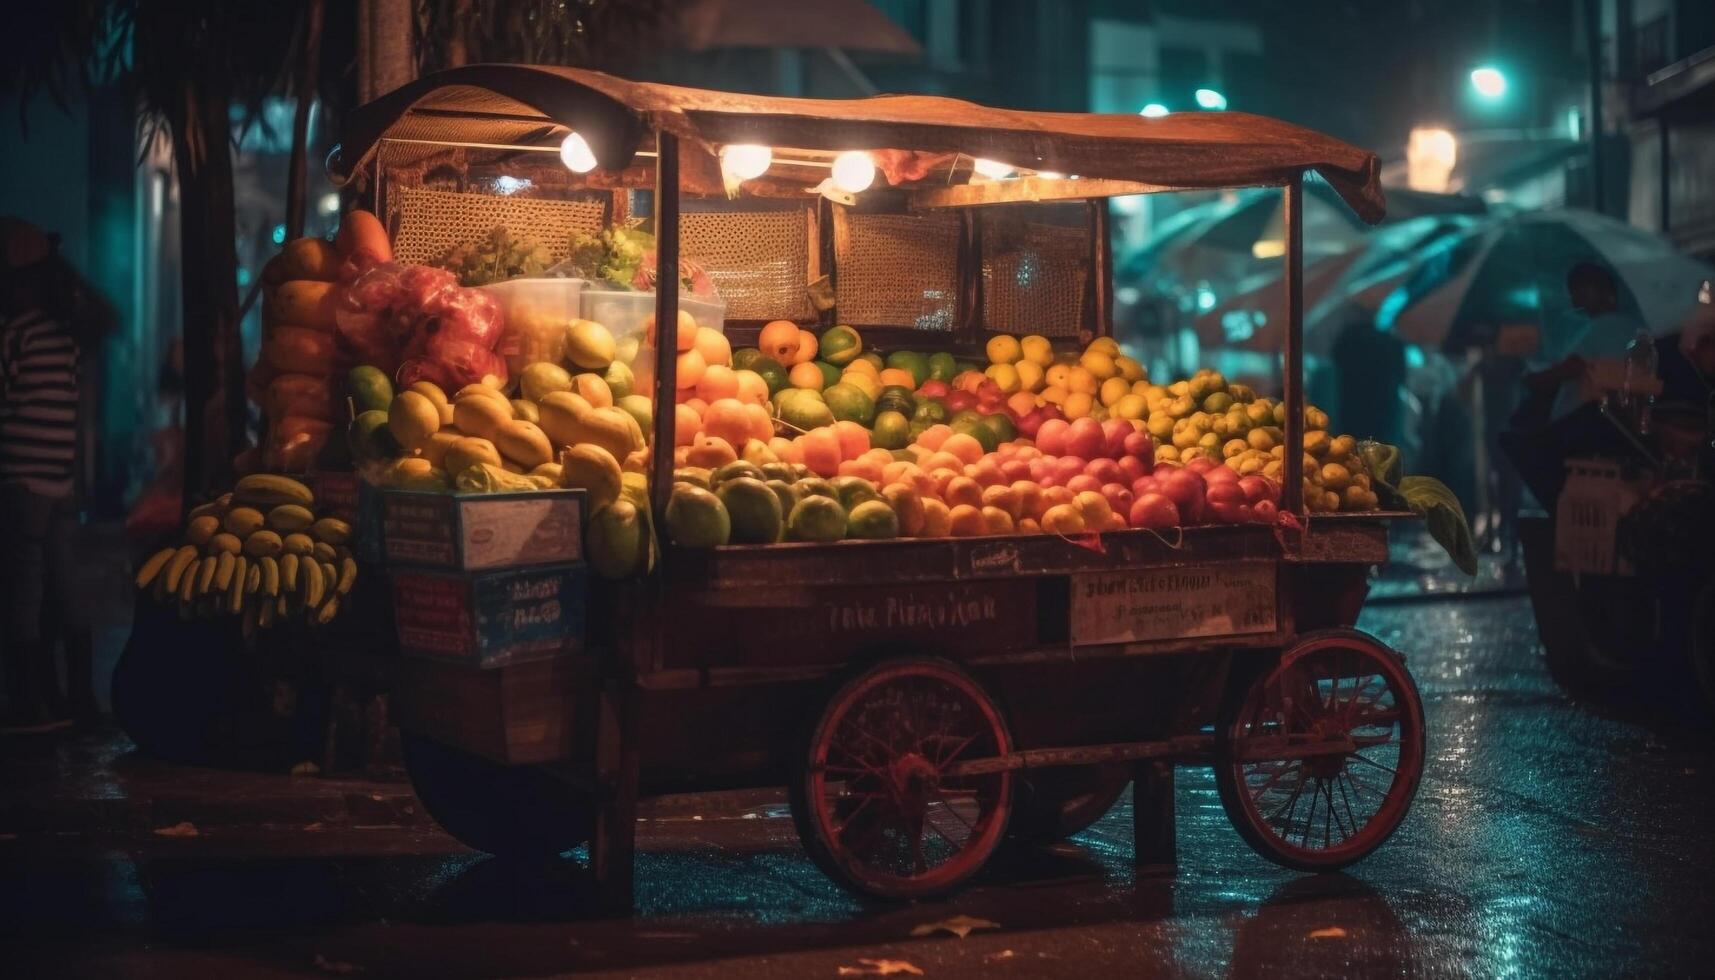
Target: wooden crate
490,619
529,713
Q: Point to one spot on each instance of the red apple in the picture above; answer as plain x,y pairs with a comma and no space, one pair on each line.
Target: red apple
1186,488
1051,437
1039,468
1145,484
1119,498
1139,444
1082,482
1131,467
1084,438
1153,510
1104,469
958,401
1265,512
1114,432
933,389
1063,468
1259,488
1221,474
1227,502
1202,464
1015,470
1030,423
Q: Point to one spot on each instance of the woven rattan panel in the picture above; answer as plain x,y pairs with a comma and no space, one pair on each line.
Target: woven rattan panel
898,270
759,260
433,222
1034,277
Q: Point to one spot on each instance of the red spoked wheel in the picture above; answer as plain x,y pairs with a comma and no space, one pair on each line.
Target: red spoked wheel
1322,752
877,802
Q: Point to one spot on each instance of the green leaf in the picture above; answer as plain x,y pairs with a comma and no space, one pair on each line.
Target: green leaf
1445,518
1382,462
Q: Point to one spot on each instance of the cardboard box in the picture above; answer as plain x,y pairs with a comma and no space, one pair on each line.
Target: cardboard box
473,532
490,619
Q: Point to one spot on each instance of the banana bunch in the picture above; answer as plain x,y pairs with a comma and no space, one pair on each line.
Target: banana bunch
258,552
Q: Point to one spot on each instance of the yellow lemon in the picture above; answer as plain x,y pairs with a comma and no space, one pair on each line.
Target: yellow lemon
1078,405
1130,369
1004,375
1100,364
1113,390
1080,379
1030,375
1004,349
1037,350
864,380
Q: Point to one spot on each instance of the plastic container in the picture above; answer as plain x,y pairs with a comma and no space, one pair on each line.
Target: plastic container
626,314
537,313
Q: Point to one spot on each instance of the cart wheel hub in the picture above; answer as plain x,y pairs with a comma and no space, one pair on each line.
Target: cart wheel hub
913,779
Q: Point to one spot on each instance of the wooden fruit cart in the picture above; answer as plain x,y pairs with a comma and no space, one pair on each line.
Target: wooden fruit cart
924,701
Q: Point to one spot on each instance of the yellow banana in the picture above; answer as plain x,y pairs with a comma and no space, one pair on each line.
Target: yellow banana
288,518
332,530
235,589
153,566
188,584
267,491
347,575
265,612
263,543
324,552
224,542
224,565
182,560
270,575
313,584
205,574
289,572
298,544
329,609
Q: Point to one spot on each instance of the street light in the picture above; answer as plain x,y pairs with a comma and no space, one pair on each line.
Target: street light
1154,110
1208,98
1489,82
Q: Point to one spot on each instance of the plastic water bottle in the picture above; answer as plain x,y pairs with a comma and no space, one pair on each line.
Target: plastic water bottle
1638,395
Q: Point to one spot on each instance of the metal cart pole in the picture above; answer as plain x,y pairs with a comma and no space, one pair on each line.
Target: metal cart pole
1292,494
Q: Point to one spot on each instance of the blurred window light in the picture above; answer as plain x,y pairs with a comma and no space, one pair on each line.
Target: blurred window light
1205,298
329,204
1208,98
509,185
1237,325
1430,156
279,235
1268,248
1154,110
1575,123
1489,82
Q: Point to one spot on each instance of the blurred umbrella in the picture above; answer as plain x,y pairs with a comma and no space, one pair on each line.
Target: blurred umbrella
1225,256
850,25
1512,271
1337,288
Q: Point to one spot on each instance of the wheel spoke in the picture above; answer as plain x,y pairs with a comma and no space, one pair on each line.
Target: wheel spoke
1366,759
956,814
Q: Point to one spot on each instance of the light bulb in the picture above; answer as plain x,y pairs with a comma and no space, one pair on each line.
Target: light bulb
854,171
575,154
992,169
746,161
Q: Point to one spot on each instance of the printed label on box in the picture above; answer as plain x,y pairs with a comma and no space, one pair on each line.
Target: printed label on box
420,529
520,532
1230,599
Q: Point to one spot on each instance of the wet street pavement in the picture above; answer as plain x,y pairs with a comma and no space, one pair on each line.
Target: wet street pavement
1549,839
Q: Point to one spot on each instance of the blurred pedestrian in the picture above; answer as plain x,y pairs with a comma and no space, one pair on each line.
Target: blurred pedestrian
42,302
1558,418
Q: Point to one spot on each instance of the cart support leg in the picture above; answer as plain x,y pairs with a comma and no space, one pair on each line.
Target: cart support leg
614,845
1153,830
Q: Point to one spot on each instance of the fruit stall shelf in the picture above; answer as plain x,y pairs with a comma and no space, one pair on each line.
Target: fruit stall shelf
923,700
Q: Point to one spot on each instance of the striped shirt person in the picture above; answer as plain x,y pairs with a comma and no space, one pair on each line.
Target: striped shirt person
38,413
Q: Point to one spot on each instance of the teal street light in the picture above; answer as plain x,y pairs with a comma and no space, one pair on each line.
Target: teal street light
1489,83
1154,110
1208,98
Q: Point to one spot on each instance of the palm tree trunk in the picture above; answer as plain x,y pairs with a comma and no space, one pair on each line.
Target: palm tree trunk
214,369
308,67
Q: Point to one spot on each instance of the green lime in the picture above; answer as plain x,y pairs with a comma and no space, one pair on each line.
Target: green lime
840,346
744,356
370,388
892,431
942,367
696,518
849,404
830,373
930,411
817,518
853,490
772,371
896,398
872,519
753,509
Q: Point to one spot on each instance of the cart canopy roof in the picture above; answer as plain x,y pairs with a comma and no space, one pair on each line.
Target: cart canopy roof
536,105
